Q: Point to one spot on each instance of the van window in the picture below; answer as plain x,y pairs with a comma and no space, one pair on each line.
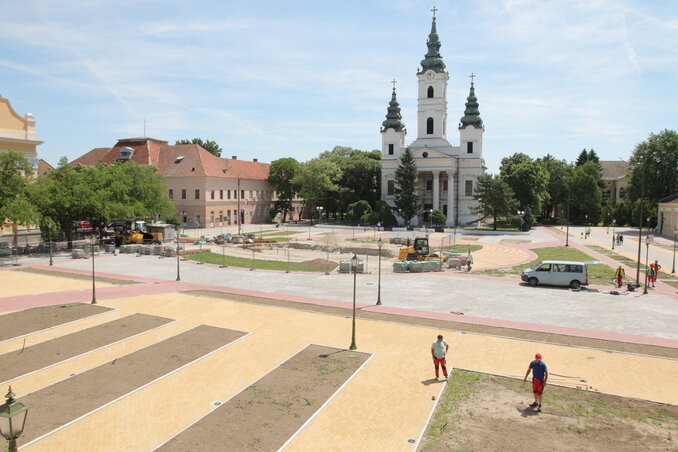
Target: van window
574,268
559,267
544,268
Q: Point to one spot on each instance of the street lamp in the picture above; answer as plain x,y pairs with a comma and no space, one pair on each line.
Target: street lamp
647,251
50,243
567,229
673,270
12,420
379,244
613,236
94,290
178,246
320,211
354,266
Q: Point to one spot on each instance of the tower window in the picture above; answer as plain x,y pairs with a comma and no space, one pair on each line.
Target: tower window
429,126
468,188
390,149
390,187
469,147
430,92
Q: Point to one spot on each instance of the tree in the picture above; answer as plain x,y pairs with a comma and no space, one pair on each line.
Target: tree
317,182
210,146
586,195
495,198
359,212
438,217
528,180
654,163
405,190
559,175
15,205
281,177
585,156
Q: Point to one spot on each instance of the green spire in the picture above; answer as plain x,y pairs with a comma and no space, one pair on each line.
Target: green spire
471,114
393,116
433,60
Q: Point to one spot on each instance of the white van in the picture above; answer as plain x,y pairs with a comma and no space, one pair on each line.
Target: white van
558,273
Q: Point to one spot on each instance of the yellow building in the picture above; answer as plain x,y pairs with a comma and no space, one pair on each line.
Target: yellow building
17,134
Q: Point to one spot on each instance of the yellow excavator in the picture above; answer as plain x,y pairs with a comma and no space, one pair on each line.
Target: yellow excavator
418,251
131,231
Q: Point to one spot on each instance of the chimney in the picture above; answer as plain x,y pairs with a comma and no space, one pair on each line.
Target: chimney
234,157
255,160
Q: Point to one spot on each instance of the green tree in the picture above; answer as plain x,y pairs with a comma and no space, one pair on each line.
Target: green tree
587,156
528,180
438,217
654,163
281,177
359,212
15,205
317,182
405,189
495,198
210,146
559,175
586,195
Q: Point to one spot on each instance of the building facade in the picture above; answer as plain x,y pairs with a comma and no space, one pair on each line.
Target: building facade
207,191
667,212
447,173
614,173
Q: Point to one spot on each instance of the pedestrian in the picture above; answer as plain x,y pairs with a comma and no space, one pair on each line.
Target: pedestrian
651,275
539,376
469,260
621,239
438,353
656,267
619,275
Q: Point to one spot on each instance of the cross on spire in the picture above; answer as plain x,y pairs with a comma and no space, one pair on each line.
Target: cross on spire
394,81
472,76
434,12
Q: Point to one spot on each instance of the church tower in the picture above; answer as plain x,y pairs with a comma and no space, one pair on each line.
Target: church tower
432,111
393,130
471,127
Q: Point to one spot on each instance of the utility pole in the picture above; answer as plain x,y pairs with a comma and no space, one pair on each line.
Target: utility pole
238,197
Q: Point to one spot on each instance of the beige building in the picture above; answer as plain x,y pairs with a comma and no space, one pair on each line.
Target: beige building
615,175
667,212
207,191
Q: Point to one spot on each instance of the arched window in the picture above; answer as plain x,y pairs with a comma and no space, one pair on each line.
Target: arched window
430,92
429,126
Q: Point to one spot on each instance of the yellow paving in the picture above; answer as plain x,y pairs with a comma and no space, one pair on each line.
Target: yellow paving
15,283
384,405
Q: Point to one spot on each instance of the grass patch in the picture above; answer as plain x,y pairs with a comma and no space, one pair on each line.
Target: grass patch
281,233
465,248
243,262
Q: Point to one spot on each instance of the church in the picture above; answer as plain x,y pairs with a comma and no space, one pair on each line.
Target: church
447,174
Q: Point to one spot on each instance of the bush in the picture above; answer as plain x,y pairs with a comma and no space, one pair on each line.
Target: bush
438,217
358,210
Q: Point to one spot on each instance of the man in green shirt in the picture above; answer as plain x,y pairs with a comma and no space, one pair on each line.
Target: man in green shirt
438,352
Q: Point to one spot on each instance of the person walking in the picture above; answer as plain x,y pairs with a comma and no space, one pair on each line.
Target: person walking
656,268
438,353
621,239
619,275
469,260
539,376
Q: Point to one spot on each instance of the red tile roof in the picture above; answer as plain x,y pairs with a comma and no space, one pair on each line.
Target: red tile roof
183,160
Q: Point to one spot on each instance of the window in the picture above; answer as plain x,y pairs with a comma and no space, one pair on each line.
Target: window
242,194
429,185
391,187
544,268
197,193
251,197
569,268
171,194
390,149
444,185
212,195
197,219
621,193
468,189
228,194
430,92
183,193
469,147
221,194
429,126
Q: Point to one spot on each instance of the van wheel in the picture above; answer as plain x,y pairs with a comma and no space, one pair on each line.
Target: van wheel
575,284
533,282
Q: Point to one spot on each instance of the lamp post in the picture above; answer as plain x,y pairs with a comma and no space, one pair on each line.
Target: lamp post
640,243
613,236
223,257
178,245
673,270
252,268
12,420
608,224
567,229
647,251
320,212
379,244
50,244
94,290
354,266
586,225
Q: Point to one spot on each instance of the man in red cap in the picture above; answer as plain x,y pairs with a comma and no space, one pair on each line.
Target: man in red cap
539,376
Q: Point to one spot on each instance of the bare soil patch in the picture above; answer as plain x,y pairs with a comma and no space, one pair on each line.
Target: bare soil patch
81,276
37,319
67,400
270,411
37,356
320,264
478,412
553,338
513,241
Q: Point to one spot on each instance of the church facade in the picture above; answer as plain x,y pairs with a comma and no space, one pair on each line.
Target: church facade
447,174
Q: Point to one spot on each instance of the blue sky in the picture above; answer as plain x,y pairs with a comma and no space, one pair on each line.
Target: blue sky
272,79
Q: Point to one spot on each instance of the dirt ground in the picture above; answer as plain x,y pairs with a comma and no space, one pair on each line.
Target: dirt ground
268,412
35,319
320,264
479,412
69,399
85,277
34,357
